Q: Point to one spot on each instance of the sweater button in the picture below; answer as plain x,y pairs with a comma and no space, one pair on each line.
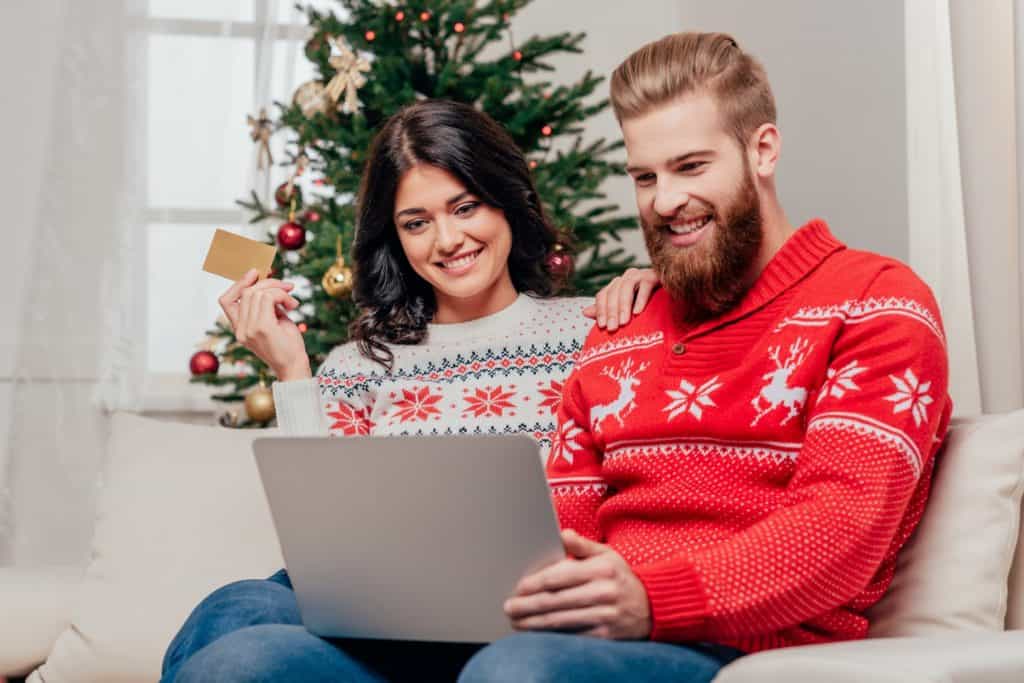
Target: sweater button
679,348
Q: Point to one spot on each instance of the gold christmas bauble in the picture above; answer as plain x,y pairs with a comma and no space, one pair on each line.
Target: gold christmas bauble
337,281
311,97
259,404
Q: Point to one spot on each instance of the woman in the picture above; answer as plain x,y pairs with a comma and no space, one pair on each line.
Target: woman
459,334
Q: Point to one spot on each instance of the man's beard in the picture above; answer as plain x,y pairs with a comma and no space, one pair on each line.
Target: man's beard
710,277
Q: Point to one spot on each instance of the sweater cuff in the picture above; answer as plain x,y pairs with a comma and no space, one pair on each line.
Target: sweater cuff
678,599
298,407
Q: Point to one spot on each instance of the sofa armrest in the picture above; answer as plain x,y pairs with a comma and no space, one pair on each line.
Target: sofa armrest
975,657
36,603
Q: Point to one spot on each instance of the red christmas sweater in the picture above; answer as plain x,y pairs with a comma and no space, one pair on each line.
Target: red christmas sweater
760,471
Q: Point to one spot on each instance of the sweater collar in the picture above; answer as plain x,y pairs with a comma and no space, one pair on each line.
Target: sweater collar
805,250
508,320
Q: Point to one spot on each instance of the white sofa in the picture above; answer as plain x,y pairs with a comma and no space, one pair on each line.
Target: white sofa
181,511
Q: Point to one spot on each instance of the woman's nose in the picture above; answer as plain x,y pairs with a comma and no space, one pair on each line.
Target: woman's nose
449,236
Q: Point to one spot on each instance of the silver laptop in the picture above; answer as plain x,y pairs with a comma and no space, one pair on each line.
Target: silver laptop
411,538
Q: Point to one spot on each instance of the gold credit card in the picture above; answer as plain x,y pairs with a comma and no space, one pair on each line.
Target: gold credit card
232,256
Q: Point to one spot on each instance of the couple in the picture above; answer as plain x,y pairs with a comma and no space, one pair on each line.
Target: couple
735,471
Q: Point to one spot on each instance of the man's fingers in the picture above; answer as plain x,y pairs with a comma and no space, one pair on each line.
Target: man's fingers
559,576
575,620
580,546
597,592
590,311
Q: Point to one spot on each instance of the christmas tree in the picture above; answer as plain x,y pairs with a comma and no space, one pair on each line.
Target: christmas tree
372,58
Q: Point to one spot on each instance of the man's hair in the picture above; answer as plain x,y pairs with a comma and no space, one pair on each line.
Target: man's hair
693,63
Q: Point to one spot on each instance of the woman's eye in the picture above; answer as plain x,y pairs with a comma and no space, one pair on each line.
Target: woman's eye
415,224
466,209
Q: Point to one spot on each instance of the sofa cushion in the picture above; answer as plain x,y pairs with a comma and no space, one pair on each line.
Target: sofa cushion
37,607
181,511
1015,604
953,573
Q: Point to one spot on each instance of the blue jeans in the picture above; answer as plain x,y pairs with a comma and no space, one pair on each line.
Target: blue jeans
251,631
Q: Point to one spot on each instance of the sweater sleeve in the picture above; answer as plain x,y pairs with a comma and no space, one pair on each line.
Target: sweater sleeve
872,428
574,466
299,412
337,401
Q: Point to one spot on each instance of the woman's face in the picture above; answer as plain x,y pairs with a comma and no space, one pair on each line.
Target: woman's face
455,242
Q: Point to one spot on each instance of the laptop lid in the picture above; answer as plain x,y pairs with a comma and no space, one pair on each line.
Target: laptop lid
412,538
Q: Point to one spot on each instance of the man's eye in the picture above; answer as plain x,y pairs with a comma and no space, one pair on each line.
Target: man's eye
691,166
644,179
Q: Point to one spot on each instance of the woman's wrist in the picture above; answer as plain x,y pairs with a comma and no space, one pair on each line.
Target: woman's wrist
295,372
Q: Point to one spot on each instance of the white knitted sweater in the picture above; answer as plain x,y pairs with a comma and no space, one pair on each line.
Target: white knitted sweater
501,374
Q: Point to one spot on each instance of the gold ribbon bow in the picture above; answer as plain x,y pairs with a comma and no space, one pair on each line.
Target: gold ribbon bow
262,128
348,78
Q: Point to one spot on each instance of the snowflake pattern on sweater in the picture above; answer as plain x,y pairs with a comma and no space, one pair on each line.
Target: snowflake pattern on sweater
502,374
760,471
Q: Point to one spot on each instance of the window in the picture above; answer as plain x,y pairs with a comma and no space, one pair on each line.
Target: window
209,63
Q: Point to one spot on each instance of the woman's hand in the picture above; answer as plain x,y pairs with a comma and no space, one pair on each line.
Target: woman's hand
622,298
258,313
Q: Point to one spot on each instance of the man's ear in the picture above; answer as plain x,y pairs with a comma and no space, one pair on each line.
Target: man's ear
765,145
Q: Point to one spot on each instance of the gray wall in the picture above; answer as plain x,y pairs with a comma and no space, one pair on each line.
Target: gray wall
837,68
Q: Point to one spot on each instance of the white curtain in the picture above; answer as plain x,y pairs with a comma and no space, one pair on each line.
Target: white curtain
77,326
73,342
964,107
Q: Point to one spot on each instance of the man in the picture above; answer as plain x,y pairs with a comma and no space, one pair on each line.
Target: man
737,469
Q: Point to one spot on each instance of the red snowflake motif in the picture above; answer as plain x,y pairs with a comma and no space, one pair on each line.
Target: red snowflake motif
416,404
351,421
488,401
552,396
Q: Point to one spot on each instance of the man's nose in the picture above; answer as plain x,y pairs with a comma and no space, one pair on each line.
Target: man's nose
669,199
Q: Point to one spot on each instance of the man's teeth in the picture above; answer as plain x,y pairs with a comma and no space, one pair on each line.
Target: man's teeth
689,226
460,262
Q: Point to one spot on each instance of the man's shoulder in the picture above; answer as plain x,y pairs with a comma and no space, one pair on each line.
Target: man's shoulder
643,330
853,272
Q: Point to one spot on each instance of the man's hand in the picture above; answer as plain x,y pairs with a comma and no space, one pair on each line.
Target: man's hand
593,593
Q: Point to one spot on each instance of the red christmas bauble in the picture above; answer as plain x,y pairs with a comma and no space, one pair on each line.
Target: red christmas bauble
560,264
283,195
291,236
311,216
204,363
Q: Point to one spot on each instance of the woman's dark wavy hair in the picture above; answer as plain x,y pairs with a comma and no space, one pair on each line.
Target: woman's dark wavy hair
397,303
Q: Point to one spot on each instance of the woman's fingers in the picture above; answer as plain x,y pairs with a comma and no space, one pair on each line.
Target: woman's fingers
643,294
626,292
602,305
259,314
229,299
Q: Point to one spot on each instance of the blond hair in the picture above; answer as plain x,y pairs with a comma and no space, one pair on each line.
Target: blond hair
693,63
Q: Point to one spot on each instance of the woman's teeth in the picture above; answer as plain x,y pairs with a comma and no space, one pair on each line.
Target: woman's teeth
689,226
460,262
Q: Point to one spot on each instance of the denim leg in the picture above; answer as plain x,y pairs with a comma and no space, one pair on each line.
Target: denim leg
550,657
272,653
228,609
